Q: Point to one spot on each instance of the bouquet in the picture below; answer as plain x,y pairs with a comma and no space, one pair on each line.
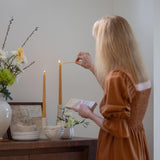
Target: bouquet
12,63
68,121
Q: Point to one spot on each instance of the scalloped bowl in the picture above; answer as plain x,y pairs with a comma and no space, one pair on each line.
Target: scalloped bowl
54,132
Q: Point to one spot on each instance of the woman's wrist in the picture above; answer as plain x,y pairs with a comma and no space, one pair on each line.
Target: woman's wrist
98,120
91,115
92,69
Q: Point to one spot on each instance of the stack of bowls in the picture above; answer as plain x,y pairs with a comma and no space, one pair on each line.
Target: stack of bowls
25,136
54,132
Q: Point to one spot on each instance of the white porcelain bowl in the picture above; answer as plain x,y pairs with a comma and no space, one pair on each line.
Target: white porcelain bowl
54,132
33,135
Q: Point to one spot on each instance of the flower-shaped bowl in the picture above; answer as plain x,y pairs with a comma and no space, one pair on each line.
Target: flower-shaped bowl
54,132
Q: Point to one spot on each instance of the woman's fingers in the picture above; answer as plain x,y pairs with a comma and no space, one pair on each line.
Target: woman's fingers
79,58
84,60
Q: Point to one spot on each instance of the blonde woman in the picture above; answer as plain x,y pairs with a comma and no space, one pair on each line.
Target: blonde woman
121,73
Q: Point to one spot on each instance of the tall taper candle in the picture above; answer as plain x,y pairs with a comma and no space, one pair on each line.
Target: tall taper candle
60,82
44,94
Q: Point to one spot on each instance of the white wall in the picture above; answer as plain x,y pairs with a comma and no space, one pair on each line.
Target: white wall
65,29
156,79
139,14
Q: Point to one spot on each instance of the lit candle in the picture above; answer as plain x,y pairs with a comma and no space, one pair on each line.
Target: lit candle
44,94
60,82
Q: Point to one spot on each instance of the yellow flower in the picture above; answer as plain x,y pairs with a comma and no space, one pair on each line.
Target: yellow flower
20,54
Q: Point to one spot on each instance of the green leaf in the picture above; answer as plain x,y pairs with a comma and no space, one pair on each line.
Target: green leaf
5,91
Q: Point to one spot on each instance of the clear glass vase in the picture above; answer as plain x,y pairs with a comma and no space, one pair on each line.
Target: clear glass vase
5,116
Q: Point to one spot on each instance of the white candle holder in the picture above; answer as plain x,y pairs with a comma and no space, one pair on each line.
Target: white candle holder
59,113
44,124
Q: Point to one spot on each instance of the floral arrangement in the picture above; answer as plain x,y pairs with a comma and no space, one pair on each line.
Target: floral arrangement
68,121
12,63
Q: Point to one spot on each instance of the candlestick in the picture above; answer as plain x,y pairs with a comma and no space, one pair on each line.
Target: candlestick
44,94
60,82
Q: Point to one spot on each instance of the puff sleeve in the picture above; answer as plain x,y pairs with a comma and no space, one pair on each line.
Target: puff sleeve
119,92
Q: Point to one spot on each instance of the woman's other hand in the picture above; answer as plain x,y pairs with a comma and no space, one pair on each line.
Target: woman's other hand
83,110
84,59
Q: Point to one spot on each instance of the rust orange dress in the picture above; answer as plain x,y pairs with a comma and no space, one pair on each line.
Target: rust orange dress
123,108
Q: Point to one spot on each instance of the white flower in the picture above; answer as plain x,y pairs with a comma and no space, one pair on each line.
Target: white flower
19,67
3,54
10,53
68,114
25,60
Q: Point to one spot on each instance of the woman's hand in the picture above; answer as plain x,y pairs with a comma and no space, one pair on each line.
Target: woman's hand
84,59
84,111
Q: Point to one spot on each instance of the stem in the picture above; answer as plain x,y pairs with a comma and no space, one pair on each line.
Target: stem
10,22
12,59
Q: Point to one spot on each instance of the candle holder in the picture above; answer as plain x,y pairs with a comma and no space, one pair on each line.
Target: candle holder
42,132
59,113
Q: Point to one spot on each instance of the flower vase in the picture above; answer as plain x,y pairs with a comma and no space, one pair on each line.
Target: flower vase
5,116
68,133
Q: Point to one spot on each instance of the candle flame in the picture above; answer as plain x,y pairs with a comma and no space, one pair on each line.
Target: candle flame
44,73
59,61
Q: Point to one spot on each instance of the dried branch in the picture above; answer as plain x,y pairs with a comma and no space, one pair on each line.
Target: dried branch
29,65
10,22
29,36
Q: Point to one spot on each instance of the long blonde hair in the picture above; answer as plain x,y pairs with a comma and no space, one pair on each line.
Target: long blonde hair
116,47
